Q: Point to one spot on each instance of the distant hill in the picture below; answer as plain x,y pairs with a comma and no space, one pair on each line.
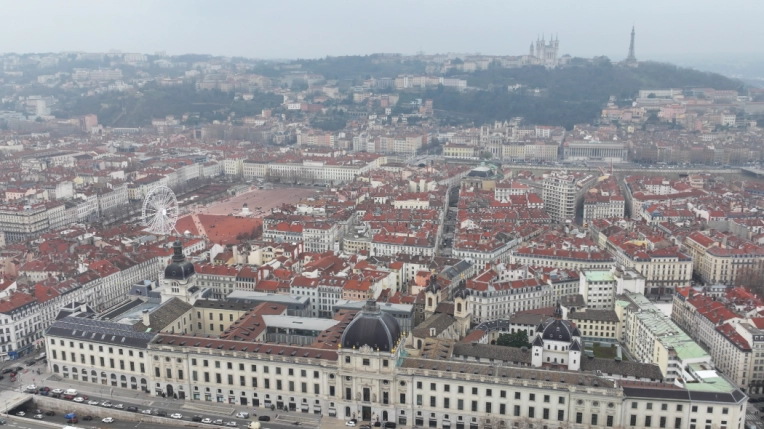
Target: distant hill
565,96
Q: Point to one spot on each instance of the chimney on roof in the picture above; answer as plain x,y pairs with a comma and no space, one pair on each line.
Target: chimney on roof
145,316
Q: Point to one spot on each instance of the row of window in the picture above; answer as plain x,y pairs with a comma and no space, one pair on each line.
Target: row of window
101,361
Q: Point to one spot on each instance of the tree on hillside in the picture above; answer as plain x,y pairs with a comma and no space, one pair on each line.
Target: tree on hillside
517,339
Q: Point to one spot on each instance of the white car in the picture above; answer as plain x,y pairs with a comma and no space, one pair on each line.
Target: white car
21,414
231,424
31,387
108,420
79,399
92,402
106,404
351,424
207,420
146,412
57,391
119,406
176,416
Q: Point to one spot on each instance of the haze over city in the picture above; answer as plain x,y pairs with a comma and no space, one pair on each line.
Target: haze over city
422,214
308,29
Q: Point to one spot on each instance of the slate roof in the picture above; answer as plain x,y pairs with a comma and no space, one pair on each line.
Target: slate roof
595,315
623,368
439,321
225,305
164,315
99,331
503,372
497,353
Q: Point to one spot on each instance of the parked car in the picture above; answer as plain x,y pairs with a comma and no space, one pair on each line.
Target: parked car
119,406
72,421
218,422
162,413
91,402
176,415
133,409
145,411
106,404
264,418
7,370
107,420
242,415
196,418
87,418
37,416
231,424
350,423
77,399
58,391
207,420
50,413
21,414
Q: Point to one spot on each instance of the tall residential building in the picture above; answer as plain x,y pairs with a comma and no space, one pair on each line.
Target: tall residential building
562,193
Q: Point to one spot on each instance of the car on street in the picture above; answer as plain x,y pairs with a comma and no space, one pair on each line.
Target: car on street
79,399
87,418
37,416
231,424
218,422
7,370
72,421
145,411
350,423
50,413
242,415
176,415
57,391
91,402
119,406
133,409
364,427
207,420
196,418
264,418
107,420
162,413
107,404
21,414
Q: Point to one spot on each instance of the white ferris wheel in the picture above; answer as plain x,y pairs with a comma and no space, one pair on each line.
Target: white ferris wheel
160,211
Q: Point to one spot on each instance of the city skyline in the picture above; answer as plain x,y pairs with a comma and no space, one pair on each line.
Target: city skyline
244,29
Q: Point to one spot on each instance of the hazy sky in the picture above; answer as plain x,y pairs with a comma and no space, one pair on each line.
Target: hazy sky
316,28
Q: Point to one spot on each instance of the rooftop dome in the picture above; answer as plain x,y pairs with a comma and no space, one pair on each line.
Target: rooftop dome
557,330
372,328
179,268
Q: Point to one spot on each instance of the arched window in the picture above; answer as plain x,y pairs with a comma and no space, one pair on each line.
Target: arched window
55,368
103,374
113,376
65,368
123,378
74,370
93,374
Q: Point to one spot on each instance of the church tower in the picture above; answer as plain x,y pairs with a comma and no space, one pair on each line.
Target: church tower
180,278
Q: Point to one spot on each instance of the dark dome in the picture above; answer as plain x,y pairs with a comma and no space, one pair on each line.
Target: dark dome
179,268
557,330
372,328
